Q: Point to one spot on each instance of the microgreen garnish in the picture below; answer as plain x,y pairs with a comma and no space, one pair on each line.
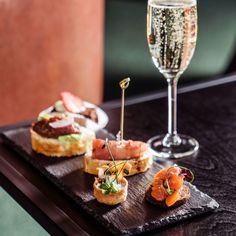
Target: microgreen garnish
108,172
110,184
167,187
122,168
109,187
187,173
109,150
104,185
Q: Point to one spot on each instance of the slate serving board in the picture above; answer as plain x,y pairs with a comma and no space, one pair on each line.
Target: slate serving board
131,217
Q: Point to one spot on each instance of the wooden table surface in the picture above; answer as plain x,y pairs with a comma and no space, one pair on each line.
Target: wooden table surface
206,111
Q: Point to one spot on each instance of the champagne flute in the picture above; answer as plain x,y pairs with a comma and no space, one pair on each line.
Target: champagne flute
171,35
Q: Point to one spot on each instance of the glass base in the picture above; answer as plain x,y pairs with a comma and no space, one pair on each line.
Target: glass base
188,146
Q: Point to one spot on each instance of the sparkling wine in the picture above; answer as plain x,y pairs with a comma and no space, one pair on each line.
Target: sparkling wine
171,34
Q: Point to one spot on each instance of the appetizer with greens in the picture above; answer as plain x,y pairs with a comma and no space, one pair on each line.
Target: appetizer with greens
110,187
168,188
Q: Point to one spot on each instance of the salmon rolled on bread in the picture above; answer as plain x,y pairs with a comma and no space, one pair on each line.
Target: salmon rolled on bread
136,153
60,136
168,188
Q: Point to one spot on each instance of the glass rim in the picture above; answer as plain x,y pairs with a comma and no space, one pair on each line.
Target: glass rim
174,2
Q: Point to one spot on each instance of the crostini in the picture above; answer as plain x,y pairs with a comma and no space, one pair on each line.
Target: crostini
60,136
136,153
168,188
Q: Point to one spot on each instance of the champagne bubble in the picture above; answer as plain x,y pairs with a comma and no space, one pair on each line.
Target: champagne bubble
173,30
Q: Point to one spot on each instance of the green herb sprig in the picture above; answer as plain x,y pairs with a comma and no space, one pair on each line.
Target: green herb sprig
111,185
167,187
113,160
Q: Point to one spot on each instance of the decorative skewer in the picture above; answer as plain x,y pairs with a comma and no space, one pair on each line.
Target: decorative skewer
123,85
109,150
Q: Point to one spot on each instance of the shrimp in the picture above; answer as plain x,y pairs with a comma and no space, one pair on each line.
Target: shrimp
125,150
166,185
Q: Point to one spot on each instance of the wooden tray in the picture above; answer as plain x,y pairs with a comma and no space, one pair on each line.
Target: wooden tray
131,217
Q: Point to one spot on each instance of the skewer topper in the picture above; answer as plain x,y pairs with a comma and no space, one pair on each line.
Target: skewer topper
123,85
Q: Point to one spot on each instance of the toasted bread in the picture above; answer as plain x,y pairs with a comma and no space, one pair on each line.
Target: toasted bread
111,198
58,148
184,195
139,165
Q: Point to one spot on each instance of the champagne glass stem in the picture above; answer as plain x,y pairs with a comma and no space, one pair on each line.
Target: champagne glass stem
172,138
172,101
171,36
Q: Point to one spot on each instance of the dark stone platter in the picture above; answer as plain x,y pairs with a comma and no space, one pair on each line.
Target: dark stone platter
131,217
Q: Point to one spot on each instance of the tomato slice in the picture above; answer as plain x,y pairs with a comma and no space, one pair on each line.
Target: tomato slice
71,102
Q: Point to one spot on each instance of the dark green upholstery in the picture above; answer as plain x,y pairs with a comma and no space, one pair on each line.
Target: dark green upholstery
15,221
127,54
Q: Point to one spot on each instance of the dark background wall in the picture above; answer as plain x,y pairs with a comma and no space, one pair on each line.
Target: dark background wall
127,54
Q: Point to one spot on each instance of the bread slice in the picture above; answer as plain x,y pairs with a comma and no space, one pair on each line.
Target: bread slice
139,165
111,198
184,195
62,148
